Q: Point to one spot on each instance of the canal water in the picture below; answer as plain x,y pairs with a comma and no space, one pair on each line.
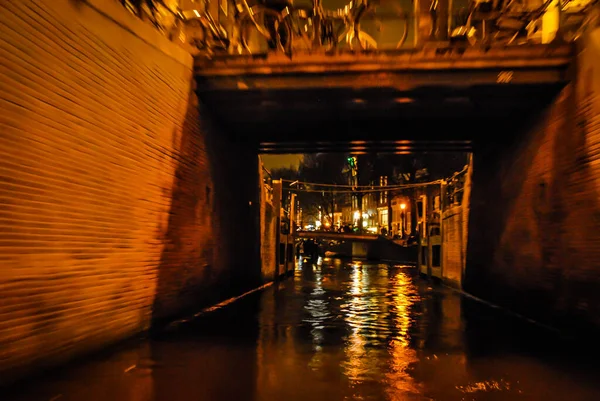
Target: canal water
340,330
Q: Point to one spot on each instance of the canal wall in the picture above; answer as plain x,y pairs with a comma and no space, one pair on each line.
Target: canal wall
455,229
534,242
452,245
115,186
268,227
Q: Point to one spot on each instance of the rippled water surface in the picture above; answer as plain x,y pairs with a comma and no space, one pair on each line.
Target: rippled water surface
338,331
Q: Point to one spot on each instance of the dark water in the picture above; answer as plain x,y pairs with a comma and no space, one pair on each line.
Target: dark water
339,331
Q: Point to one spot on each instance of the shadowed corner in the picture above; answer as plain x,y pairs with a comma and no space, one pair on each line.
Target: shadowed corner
211,246
209,255
533,208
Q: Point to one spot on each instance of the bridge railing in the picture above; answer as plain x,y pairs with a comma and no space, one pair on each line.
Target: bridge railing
267,184
241,27
224,26
330,235
454,189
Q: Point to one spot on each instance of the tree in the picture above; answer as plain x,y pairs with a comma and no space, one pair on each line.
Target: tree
284,173
325,169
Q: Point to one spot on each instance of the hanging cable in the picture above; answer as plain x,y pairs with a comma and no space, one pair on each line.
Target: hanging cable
370,190
357,187
316,184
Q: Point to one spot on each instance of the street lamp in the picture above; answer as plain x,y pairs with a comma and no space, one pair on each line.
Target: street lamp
403,228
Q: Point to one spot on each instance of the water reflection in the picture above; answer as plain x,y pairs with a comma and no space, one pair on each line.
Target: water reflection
354,365
336,331
400,383
318,309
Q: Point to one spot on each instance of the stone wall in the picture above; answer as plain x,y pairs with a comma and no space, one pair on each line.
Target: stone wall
452,245
268,229
455,226
534,243
466,215
110,199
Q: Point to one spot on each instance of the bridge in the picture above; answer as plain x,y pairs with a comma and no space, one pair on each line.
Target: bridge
328,235
348,102
370,247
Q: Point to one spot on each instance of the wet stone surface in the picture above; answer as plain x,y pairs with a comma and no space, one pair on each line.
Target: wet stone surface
339,331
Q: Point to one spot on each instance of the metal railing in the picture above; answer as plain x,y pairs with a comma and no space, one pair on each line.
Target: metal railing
454,189
516,22
257,28
163,14
267,185
241,27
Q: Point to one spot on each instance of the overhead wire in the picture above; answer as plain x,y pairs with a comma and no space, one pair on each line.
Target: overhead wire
369,189
317,184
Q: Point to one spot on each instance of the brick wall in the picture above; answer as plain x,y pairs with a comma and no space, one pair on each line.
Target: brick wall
111,200
211,247
534,243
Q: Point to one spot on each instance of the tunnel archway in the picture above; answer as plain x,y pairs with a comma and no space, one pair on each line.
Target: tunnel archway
502,105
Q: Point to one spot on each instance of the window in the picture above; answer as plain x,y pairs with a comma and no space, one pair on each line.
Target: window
383,218
383,182
436,255
420,210
281,254
290,253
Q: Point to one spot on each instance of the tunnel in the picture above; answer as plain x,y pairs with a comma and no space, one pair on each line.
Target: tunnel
132,204
515,132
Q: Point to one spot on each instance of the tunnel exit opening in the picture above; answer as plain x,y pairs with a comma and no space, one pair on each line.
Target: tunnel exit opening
504,105
402,206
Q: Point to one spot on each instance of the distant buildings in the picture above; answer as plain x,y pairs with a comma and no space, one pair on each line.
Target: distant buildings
378,203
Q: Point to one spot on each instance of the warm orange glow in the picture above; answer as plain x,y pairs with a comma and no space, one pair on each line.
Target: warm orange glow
550,22
404,100
403,206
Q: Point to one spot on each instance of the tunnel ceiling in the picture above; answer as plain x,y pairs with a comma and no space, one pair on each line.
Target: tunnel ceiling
435,105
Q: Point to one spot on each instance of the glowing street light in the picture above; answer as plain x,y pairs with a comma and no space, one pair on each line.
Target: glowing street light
402,207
